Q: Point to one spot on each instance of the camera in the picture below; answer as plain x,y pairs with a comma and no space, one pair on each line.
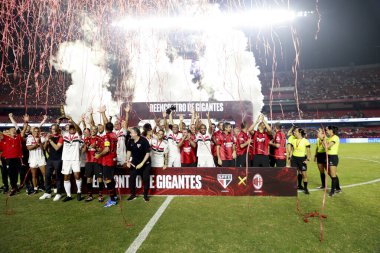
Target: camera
170,109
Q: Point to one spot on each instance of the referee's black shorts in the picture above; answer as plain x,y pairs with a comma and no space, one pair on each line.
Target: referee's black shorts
299,163
333,160
321,158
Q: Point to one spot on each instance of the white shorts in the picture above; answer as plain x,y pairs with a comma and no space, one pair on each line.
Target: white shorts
69,167
174,161
205,161
37,162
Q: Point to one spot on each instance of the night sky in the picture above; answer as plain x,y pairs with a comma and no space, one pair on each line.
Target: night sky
349,34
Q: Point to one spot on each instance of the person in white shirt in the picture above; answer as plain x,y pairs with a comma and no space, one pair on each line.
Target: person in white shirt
71,158
204,140
34,144
173,137
159,151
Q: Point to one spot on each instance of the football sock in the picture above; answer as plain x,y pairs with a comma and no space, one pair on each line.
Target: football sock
79,185
67,185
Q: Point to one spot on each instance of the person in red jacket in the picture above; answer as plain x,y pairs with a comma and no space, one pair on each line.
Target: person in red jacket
187,146
109,161
261,139
278,144
12,152
226,148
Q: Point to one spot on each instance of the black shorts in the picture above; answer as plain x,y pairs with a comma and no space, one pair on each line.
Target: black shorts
280,163
321,158
92,169
188,164
298,162
260,161
228,163
333,160
108,172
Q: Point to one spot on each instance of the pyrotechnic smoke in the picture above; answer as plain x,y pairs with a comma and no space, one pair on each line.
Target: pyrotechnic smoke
87,64
228,69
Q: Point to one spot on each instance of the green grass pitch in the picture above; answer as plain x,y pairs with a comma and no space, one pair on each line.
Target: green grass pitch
208,224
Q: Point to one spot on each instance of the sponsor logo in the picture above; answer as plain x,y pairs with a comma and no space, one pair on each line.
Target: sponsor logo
257,181
224,179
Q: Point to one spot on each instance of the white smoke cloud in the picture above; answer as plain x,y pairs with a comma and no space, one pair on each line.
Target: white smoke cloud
90,75
229,71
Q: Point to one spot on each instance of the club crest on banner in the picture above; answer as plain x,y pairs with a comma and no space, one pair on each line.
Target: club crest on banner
257,181
224,179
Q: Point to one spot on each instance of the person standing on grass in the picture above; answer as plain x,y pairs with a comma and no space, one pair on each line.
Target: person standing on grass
300,155
332,148
320,156
138,160
53,146
226,148
278,144
12,152
261,139
37,160
92,144
71,158
109,162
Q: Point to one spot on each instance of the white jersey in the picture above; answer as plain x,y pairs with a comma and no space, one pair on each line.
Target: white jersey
203,144
72,144
121,149
35,154
173,141
158,149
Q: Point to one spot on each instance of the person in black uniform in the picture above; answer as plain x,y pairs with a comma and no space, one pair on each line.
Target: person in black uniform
138,160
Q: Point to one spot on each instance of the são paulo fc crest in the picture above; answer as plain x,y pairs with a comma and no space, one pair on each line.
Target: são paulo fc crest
257,181
225,179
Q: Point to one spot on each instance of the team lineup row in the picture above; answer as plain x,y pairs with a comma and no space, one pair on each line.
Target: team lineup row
100,148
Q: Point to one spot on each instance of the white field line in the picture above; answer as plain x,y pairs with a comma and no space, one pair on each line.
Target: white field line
148,227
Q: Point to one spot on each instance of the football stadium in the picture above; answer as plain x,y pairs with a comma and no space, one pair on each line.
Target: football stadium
190,126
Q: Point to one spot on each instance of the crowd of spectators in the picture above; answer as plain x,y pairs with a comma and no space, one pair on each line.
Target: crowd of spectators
348,83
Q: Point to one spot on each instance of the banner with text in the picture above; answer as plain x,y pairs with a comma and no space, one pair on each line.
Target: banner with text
214,181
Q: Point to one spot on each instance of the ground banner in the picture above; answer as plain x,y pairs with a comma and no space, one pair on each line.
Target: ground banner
218,181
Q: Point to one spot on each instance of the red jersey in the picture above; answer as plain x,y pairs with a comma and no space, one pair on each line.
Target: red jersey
280,152
93,144
261,143
215,138
241,139
12,147
226,143
188,153
110,140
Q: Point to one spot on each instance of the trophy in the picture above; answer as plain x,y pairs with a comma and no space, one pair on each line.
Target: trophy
63,114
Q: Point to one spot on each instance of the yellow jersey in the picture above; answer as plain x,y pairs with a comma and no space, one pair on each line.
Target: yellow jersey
299,147
333,150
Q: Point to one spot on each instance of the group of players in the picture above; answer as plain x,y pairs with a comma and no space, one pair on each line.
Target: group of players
101,148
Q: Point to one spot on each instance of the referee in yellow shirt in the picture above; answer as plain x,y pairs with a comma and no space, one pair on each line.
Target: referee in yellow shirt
291,137
320,157
300,155
332,149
